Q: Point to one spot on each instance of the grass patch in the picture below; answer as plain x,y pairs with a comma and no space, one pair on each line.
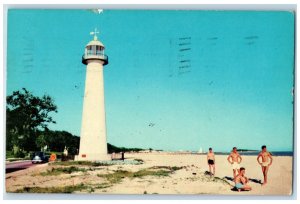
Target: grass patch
63,189
80,163
58,171
205,178
118,175
175,168
139,160
146,172
222,180
115,177
171,168
103,185
91,190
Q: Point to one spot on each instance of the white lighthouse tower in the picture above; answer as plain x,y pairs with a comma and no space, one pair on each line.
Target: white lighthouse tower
93,144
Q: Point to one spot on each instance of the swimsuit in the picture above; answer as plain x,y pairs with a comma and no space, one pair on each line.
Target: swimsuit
264,164
211,162
239,185
235,165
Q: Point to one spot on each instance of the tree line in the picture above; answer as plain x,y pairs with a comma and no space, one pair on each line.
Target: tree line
27,120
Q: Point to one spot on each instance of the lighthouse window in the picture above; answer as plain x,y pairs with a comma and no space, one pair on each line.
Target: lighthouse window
99,50
89,50
94,50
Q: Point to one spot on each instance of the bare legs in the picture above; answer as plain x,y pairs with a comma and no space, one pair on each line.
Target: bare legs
265,173
235,172
212,167
246,188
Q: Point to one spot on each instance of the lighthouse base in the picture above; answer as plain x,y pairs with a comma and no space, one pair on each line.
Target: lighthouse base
93,157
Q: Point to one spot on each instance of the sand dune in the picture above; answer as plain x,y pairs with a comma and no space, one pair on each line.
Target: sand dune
189,179
185,182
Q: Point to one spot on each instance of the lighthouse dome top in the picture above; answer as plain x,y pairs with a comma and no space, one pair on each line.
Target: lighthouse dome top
94,50
95,42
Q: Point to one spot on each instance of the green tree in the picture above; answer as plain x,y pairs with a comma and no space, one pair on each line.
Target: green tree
41,141
58,140
26,114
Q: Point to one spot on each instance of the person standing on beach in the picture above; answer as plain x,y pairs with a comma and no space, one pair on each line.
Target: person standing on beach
236,159
211,161
265,162
241,181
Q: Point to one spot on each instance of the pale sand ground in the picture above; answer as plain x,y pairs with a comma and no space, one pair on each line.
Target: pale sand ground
183,181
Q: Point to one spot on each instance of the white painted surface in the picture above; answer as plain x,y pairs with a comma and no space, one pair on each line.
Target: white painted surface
93,144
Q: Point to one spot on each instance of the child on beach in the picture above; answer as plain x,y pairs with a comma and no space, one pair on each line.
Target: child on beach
241,181
236,159
211,161
265,162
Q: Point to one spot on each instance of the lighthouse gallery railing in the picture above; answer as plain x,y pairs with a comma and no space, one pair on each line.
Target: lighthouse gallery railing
100,56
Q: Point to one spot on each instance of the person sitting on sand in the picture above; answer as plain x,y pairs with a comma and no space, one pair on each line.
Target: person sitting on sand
265,162
211,161
235,156
241,181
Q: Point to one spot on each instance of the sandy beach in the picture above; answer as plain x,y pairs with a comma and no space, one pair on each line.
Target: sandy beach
160,173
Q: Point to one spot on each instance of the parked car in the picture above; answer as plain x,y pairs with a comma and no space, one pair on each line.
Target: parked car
39,157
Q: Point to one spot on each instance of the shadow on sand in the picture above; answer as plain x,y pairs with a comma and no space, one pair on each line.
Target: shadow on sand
228,178
250,179
207,173
255,180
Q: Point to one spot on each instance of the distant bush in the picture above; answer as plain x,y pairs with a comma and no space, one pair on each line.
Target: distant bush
111,148
19,154
9,154
62,189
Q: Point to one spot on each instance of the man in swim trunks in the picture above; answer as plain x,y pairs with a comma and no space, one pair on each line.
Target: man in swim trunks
236,159
241,181
265,162
211,161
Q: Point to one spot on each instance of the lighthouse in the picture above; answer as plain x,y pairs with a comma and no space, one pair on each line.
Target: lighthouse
93,144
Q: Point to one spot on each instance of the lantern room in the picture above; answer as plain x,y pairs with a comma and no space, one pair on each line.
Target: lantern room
94,50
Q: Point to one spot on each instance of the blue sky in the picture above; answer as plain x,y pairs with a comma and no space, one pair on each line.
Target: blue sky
176,80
